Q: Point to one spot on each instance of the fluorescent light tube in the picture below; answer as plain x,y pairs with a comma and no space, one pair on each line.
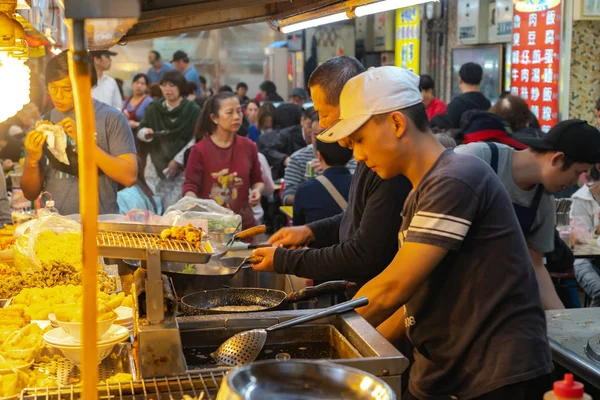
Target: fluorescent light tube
386,5
315,22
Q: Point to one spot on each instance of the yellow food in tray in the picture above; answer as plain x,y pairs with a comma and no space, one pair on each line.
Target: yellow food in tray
12,384
23,345
8,230
13,317
39,302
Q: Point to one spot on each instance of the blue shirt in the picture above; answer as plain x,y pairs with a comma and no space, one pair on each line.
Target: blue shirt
134,198
313,202
253,133
191,75
155,77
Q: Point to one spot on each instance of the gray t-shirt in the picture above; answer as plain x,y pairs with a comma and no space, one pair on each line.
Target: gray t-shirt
541,236
477,322
114,136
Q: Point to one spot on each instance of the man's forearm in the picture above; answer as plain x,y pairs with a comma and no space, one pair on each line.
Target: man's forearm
117,169
31,181
550,299
393,328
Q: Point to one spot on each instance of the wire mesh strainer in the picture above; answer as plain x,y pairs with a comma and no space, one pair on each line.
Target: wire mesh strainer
244,347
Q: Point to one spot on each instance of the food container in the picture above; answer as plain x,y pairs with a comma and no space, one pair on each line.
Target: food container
73,350
302,380
75,329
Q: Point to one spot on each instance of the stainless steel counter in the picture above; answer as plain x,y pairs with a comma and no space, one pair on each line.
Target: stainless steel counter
375,354
569,332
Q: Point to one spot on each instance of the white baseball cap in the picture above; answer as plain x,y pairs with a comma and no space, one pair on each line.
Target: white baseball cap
376,91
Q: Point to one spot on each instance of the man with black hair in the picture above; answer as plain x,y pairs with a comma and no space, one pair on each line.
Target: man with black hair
360,242
157,67
469,81
268,91
298,97
326,195
549,165
115,149
225,88
106,89
461,286
434,106
241,89
181,62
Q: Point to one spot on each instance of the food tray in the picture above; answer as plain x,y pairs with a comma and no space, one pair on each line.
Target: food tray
131,242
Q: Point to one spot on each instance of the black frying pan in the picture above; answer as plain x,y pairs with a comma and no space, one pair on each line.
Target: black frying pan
251,299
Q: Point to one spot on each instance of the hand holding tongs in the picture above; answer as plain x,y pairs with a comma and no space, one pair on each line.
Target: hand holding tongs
248,233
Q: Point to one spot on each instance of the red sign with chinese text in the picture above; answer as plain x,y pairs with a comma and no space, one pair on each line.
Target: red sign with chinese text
536,59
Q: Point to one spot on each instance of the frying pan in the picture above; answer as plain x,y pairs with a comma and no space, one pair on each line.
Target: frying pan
205,302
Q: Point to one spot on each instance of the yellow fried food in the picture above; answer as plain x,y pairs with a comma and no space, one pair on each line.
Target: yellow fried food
12,384
128,301
39,302
166,233
24,344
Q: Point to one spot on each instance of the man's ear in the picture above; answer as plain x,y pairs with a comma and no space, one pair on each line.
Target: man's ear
400,123
320,158
557,158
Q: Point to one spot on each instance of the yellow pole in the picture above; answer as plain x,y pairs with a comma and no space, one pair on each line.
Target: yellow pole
88,199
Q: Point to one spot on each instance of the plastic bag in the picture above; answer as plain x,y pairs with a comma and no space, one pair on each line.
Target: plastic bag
203,213
582,234
55,239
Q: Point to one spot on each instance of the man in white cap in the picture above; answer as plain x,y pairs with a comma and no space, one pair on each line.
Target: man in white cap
462,286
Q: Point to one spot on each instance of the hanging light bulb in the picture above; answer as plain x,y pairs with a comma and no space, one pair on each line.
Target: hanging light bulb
14,72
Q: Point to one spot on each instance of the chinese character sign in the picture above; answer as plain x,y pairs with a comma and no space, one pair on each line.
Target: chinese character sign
407,38
536,57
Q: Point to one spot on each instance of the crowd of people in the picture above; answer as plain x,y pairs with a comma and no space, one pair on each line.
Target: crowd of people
377,161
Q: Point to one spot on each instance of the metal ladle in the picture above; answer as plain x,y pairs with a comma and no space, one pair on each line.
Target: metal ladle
244,347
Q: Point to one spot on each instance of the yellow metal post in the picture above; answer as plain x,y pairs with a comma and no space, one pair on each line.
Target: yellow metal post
88,198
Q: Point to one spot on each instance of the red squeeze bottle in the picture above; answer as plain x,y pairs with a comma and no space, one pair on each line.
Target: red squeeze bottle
567,389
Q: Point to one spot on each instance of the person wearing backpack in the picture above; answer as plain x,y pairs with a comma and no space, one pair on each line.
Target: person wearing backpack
327,194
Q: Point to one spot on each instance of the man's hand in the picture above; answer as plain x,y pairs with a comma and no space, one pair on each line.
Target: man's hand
34,144
268,254
70,128
296,237
133,124
317,167
173,169
7,165
254,198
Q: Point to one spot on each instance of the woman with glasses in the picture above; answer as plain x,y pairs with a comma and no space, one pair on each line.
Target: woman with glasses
167,127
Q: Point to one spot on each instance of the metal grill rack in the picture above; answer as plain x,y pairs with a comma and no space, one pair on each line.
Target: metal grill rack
195,384
131,241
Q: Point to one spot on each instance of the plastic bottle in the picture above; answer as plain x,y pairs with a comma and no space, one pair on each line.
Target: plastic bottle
567,389
48,209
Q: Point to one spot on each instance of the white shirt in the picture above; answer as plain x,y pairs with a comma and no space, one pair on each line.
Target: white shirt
107,91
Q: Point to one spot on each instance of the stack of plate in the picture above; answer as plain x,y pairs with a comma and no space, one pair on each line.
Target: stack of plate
73,349
124,317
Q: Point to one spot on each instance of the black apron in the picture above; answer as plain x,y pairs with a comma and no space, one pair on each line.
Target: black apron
525,215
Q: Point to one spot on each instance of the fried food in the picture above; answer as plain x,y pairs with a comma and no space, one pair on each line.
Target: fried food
39,302
12,384
12,280
189,233
7,242
8,230
23,345
13,318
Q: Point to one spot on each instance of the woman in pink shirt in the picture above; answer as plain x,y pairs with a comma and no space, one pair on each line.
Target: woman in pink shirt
222,165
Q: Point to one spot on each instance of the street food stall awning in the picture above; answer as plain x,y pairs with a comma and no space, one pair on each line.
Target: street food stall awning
161,18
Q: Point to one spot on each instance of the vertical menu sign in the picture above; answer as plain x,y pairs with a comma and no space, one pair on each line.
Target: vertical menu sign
536,57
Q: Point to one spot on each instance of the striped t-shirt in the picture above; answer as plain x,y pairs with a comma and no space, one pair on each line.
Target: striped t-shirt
295,172
477,321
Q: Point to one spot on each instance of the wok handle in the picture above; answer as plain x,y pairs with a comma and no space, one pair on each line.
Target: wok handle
254,260
248,233
311,292
326,312
259,246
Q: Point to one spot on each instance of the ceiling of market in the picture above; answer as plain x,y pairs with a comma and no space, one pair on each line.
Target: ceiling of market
173,17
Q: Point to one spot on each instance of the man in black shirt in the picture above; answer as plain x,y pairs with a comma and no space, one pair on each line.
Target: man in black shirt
471,308
360,242
469,80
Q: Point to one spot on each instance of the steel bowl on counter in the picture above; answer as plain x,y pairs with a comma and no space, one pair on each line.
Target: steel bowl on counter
302,380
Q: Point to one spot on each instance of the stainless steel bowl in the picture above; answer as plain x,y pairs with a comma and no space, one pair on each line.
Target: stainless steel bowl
302,380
